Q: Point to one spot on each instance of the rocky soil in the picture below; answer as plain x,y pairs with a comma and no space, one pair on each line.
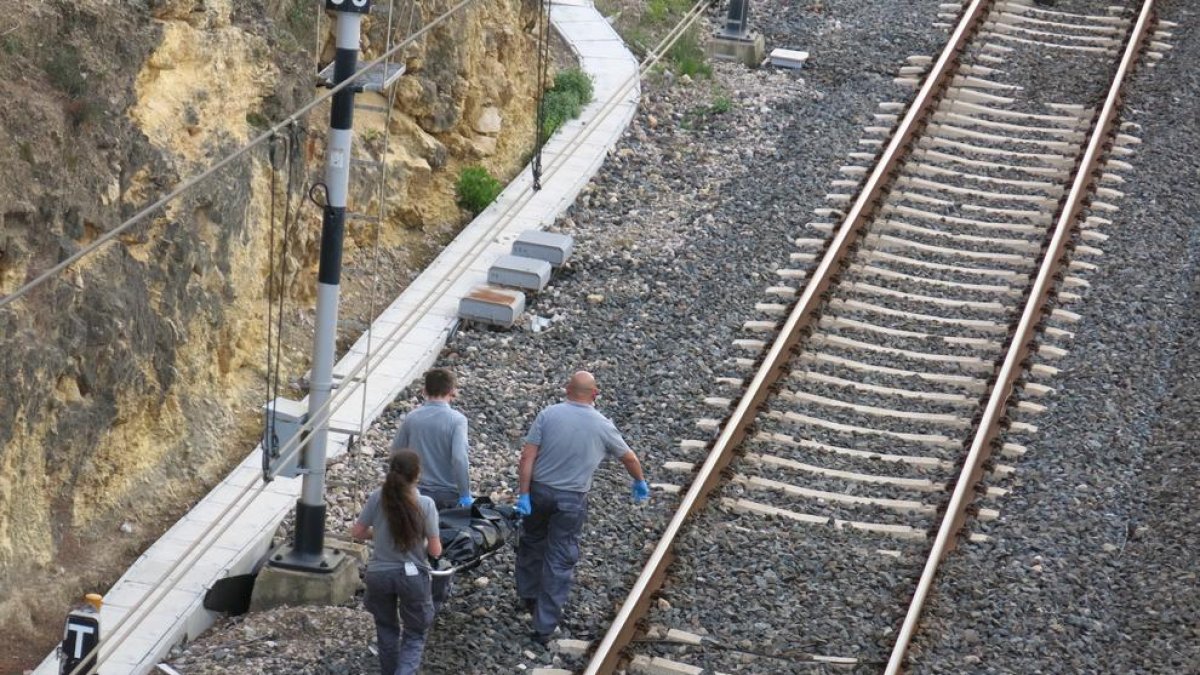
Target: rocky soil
1088,569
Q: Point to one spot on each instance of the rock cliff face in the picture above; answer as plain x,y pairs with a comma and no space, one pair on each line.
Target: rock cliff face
133,380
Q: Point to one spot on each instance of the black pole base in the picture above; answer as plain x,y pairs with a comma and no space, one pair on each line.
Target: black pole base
324,562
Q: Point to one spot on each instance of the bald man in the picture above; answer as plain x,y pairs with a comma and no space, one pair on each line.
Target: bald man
562,450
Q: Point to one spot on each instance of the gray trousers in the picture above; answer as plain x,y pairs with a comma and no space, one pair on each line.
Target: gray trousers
387,592
548,552
442,499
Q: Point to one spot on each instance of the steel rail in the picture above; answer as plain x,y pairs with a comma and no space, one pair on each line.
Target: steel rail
1023,340
775,363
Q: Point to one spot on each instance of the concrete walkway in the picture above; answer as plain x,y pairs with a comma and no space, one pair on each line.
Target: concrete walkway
158,602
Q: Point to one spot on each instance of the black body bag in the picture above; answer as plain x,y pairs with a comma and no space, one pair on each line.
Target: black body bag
469,534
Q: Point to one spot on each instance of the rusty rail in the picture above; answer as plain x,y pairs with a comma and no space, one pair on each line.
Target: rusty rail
803,315
1022,342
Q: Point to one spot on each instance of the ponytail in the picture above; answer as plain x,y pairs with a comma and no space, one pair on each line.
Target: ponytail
400,500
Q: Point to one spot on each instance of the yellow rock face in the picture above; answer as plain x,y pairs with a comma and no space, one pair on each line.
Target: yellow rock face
187,322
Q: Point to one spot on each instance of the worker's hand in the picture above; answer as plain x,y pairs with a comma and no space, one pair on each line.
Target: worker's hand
523,506
466,500
641,491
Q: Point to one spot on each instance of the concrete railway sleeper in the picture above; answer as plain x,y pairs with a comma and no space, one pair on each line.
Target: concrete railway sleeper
889,354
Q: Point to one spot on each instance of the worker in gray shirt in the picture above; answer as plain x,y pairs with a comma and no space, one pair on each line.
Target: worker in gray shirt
404,526
438,433
562,450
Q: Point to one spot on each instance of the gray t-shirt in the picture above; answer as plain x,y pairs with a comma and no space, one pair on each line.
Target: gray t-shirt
438,433
572,439
386,557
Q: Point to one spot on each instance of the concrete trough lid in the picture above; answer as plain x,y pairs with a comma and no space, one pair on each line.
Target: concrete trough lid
492,305
516,271
553,247
788,58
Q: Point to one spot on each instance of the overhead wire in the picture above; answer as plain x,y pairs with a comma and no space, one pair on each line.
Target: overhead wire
269,438
291,149
543,66
380,196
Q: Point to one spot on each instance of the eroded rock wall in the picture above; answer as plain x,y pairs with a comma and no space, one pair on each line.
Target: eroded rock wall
132,381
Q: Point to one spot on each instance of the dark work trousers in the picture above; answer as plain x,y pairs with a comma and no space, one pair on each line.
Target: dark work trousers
387,592
443,499
548,551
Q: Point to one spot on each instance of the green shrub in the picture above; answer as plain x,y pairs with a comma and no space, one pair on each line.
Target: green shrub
557,108
688,56
565,100
476,189
720,105
257,120
660,11
657,11
575,80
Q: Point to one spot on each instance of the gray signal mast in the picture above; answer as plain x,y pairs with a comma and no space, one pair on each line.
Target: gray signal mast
308,551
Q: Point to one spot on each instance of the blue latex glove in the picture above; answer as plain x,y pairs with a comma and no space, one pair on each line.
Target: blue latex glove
523,506
466,500
641,491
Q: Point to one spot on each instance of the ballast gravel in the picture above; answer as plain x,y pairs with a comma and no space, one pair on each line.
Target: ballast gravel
677,239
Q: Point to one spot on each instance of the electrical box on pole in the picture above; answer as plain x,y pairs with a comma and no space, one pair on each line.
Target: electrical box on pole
284,418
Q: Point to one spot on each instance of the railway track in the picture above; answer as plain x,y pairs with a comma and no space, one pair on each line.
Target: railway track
873,393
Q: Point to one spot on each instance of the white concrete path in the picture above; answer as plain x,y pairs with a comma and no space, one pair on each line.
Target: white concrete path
158,602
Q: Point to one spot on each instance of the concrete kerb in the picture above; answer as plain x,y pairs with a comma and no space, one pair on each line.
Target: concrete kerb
238,547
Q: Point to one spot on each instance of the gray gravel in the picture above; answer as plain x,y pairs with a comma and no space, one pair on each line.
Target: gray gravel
677,238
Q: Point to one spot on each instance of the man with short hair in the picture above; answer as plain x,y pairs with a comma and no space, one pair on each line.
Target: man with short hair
438,433
564,447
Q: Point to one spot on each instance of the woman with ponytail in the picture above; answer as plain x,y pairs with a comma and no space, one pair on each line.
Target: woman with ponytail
404,526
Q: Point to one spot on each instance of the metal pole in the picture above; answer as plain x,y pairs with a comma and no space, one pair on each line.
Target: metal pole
737,20
310,509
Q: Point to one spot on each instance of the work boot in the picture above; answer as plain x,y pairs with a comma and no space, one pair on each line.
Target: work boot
544,639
